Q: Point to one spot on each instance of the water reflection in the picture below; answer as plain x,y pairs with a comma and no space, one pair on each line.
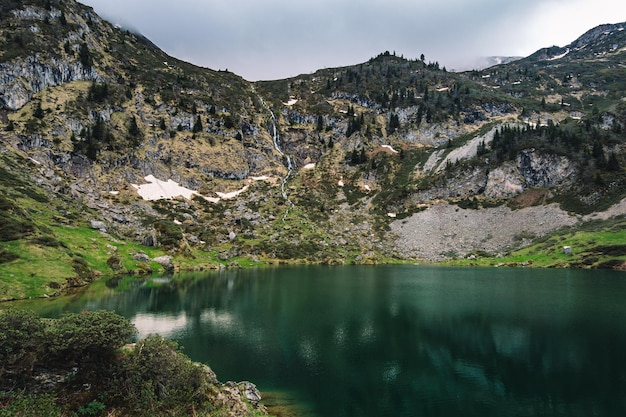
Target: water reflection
402,341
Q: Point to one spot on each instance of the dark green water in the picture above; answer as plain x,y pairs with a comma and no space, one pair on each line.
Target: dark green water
400,340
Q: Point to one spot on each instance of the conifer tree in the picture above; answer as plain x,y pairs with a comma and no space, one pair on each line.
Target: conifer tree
197,127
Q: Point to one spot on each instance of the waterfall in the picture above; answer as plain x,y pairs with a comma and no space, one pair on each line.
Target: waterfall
276,140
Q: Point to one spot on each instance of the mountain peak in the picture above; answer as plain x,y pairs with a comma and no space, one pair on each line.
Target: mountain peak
597,42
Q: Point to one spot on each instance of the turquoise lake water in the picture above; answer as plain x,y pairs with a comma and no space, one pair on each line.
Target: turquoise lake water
398,340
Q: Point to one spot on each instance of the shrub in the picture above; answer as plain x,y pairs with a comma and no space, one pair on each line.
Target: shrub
21,341
88,336
169,234
152,379
23,405
158,378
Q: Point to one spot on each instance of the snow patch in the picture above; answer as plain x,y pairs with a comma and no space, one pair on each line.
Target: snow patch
291,102
309,166
559,56
162,190
231,195
156,189
390,148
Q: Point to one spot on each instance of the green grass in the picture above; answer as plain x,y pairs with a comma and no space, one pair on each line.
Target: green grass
595,244
36,272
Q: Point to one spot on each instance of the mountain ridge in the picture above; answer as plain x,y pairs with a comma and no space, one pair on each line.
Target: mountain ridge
323,167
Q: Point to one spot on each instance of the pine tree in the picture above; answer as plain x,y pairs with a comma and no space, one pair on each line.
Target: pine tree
394,123
38,111
613,163
320,123
133,128
197,127
84,55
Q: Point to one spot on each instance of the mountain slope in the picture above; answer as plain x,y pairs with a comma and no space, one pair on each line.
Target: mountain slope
336,166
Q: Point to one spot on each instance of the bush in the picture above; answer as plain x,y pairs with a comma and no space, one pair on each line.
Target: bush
23,405
88,336
21,340
158,378
152,379
169,234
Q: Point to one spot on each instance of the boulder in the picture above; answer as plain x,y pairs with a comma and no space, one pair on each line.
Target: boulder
98,225
250,392
141,257
165,262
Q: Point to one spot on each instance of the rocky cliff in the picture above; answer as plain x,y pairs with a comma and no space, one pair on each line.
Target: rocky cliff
324,167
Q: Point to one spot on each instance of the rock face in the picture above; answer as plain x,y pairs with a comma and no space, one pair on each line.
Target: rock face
20,80
532,169
504,181
544,170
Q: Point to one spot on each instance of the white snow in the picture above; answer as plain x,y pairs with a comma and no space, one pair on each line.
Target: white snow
340,183
390,148
309,166
114,192
291,102
392,215
156,189
231,195
559,56
36,162
160,190
212,199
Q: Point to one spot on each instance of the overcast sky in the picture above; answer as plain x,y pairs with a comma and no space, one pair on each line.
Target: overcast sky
273,39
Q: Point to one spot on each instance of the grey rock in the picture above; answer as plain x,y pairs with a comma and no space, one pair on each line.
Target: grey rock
98,225
165,262
250,392
141,257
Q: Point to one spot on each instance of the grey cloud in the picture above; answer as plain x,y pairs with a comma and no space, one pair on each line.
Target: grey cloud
272,39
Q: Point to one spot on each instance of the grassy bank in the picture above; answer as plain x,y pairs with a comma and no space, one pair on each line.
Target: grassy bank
596,244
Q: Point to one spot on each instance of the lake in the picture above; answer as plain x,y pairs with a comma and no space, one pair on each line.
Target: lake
397,340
